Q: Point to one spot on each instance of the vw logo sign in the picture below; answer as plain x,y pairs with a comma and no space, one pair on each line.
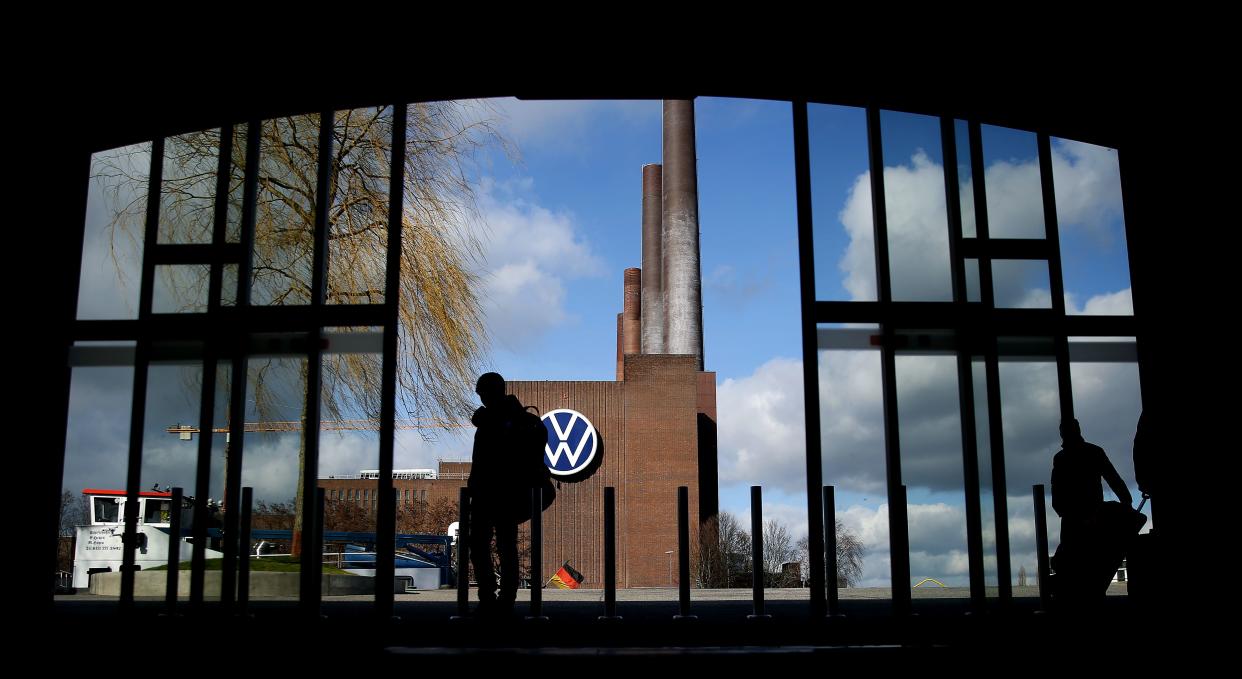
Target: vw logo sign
572,442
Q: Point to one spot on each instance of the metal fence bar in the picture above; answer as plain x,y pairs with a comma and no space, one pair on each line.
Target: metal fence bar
756,553
463,554
830,550
174,552
1041,546
610,555
536,555
243,551
683,554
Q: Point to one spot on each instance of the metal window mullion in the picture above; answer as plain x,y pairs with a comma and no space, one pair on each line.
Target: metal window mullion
137,416
250,201
67,295
205,254
899,553
1134,241
218,235
996,438
202,487
1007,248
207,402
965,378
312,531
386,523
1056,281
810,360
235,346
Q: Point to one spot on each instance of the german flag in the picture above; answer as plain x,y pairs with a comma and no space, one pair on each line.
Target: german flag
567,577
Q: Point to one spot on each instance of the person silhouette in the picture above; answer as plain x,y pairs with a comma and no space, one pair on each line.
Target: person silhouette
506,463
1090,528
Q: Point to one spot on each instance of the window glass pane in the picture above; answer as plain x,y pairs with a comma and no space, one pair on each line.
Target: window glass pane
844,237
972,280
188,191
1030,413
1021,284
1011,177
358,222
107,510
965,178
285,216
914,198
852,440
181,289
931,468
116,210
1092,230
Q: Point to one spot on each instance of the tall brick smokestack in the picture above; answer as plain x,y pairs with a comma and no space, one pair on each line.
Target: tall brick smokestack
631,312
681,275
620,347
653,291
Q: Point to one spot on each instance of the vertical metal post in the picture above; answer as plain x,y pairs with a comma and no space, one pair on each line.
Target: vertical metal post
1000,498
312,556
810,358
683,554
138,402
756,553
965,376
386,526
830,550
198,551
463,554
996,437
610,554
897,509
312,536
1041,545
899,540
174,552
385,544
202,486
243,541
234,441
536,555
1056,281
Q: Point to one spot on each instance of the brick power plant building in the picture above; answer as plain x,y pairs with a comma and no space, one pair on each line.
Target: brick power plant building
654,427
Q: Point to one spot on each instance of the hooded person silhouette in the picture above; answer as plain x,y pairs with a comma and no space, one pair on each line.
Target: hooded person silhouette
506,464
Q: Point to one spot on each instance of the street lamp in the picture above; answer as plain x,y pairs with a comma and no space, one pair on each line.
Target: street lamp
670,566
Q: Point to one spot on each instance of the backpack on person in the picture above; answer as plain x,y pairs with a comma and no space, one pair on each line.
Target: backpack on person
534,441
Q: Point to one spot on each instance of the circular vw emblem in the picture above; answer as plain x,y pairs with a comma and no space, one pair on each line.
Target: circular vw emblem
572,442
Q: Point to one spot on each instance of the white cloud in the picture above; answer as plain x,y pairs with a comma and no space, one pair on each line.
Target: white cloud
1088,194
529,254
563,126
762,442
762,427
917,233
1015,199
1120,303
1087,182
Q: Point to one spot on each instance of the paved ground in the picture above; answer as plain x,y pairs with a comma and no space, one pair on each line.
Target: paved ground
426,634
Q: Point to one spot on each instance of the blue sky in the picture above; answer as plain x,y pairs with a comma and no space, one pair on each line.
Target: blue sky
564,222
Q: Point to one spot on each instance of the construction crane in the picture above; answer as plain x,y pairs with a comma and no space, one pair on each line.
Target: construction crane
367,424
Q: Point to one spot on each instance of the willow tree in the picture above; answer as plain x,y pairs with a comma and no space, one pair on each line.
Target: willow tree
441,329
